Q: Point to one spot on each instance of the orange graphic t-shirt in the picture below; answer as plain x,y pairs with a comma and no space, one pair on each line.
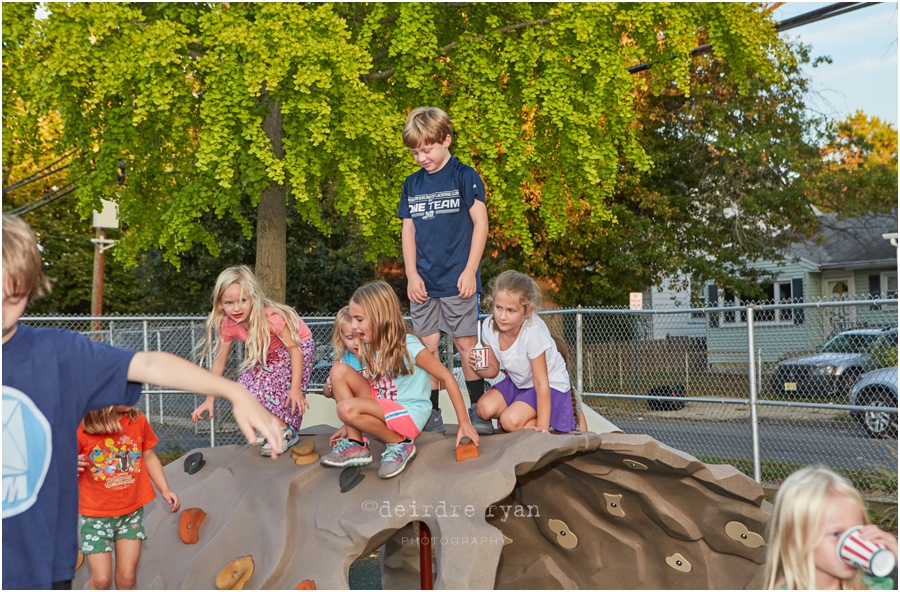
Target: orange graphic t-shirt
116,483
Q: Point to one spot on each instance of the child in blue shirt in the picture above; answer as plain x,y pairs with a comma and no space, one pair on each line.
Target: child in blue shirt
345,343
445,227
51,379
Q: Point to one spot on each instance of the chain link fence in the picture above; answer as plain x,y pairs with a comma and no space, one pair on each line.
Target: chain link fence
811,391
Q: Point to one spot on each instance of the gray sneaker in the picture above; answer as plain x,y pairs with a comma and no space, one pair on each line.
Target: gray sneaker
435,423
395,457
347,453
483,426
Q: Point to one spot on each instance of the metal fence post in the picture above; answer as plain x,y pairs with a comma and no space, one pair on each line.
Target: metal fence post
579,355
111,342
212,415
146,386
751,373
194,360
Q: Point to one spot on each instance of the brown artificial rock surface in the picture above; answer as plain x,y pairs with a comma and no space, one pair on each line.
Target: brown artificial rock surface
297,525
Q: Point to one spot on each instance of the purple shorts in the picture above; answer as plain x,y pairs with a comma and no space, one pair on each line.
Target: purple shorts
562,417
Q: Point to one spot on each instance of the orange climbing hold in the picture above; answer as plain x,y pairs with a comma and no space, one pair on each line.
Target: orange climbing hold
466,450
189,525
306,585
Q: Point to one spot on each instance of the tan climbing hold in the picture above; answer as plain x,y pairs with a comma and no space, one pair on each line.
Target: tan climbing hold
306,585
564,536
80,561
678,562
466,450
743,535
189,525
506,540
614,504
633,464
304,449
235,574
306,460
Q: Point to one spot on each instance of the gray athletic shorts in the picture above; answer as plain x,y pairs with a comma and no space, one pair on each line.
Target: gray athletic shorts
453,315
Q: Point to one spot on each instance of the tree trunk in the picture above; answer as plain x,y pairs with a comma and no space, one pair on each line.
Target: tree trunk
271,225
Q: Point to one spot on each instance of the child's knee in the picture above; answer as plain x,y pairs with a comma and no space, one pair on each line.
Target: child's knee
101,581
339,372
126,581
346,410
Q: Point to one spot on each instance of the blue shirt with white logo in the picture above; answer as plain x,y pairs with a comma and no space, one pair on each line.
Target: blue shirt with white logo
439,204
51,378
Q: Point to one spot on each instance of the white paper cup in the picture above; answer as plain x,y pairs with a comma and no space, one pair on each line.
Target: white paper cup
871,557
482,360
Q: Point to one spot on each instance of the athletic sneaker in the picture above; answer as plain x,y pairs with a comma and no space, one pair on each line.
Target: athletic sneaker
395,457
483,426
435,423
347,453
290,438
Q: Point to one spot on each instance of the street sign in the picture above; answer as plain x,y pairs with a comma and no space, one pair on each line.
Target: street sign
636,300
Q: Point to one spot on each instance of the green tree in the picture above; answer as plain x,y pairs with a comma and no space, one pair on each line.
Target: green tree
209,103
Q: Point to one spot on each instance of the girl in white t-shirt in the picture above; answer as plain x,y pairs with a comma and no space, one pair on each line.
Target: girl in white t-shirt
536,393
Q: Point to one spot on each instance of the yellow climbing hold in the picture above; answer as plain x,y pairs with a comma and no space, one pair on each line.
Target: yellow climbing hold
677,561
633,464
564,536
614,504
743,535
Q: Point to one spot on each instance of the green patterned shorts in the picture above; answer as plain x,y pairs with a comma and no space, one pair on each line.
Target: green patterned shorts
98,534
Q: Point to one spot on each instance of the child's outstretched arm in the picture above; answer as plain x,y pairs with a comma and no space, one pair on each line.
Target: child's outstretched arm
429,363
170,371
158,476
466,284
218,368
295,399
542,389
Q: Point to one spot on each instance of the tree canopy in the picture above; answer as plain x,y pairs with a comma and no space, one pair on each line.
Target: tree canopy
539,93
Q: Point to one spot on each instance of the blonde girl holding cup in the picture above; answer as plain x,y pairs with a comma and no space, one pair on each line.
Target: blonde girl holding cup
813,509
536,393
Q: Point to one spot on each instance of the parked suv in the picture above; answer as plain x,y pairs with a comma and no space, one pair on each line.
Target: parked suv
836,367
877,389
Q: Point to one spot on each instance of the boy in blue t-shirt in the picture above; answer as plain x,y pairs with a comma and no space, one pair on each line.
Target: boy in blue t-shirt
445,227
51,379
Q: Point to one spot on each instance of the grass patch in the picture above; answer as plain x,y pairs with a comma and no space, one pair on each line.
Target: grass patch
172,452
843,417
866,481
887,521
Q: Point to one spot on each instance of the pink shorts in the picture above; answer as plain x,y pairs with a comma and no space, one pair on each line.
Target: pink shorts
397,419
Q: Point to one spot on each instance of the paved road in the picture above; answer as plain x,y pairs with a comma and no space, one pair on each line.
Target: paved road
845,447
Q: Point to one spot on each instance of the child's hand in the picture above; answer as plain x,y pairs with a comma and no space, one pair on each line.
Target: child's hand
82,463
328,390
466,284
415,289
473,361
296,402
876,535
538,428
172,500
466,430
207,406
338,435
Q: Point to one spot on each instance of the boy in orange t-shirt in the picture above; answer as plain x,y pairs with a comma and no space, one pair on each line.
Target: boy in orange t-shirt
116,445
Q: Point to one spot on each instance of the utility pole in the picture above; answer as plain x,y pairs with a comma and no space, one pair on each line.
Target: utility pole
108,218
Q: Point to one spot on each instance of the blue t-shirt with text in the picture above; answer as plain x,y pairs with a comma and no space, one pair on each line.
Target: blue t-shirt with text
51,379
438,204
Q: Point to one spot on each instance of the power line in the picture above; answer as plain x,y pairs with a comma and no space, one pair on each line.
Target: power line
806,18
49,198
32,178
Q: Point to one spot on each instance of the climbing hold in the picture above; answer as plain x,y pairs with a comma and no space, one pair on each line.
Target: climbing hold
304,449
193,463
613,504
350,478
564,536
235,574
633,464
306,459
506,540
80,561
678,562
306,585
189,525
466,450
743,535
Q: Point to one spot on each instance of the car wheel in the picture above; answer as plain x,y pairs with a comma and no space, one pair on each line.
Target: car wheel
879,424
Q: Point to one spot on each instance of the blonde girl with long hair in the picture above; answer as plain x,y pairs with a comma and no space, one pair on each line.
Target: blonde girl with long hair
392,401
278,347
813,508
115,445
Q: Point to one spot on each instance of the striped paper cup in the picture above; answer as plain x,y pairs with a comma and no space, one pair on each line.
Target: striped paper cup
871,557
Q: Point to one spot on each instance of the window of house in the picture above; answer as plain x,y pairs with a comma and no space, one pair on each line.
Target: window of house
698,300
730,299
778,292
889,284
